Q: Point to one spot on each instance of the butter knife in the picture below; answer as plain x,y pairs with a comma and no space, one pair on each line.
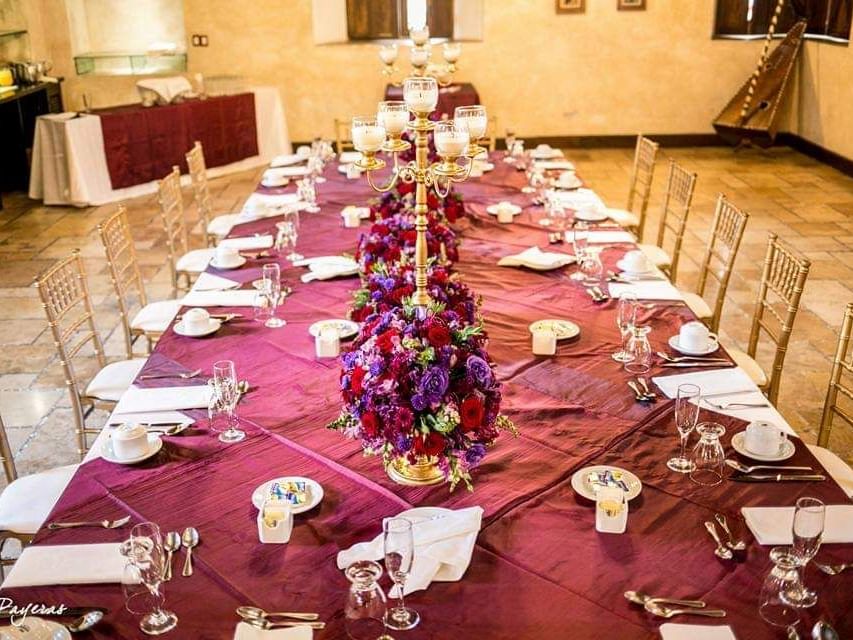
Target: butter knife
780,477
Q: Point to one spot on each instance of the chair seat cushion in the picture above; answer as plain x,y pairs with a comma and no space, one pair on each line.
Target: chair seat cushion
26,503
656,255
194,261
697,305
748,364
835,467
114,379
222,225
156,316
623,217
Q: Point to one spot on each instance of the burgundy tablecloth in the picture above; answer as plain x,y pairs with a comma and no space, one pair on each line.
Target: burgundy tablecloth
539,569
455,95
143,144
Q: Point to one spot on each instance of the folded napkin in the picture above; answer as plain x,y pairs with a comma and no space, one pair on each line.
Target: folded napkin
348,157
212,282
136,400
317,260
553,164
672,631
241,298
579,199
772,525
604,237
287,159
750,414
67,564
443,548
149,417
267,205
646,290
535,258
247,243
292,172
245,631
329,271
714,382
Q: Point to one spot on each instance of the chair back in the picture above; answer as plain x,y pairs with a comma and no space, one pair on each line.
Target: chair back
726,233
779,294
201,190
676,208
6,456
65,299
642,174
171,202
124,269
840,382
343,136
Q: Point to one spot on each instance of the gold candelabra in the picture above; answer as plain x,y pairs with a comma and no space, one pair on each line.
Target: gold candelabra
420,54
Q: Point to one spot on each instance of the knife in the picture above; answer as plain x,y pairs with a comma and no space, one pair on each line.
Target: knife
682,365
780,477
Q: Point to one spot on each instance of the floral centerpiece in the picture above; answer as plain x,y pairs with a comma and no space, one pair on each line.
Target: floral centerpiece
391,238
401,199
422,394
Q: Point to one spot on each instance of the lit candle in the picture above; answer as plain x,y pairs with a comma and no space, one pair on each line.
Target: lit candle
420,94
451,143
418,56
368,138
394,121
474,117
544,342
476,126
388,53
419,36
452,51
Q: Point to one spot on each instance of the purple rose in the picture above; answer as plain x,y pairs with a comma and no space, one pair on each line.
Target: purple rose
475,454
419,402
479,372
433,385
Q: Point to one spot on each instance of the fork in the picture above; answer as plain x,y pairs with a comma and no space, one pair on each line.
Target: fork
834,569
730,405
183,376
665,356
105,524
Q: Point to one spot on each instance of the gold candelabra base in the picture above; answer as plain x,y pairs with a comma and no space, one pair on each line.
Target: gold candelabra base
422,473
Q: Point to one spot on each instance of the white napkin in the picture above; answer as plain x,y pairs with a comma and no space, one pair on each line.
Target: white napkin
714,382
245,631
321,271
604,237
241,298
646,290
136,400
673,631
750,414
579,199
212,282
337,260
535,258
150,417
247,243
348,157
443,548
292,172
287,159
266,205
553,164
67,564
772,525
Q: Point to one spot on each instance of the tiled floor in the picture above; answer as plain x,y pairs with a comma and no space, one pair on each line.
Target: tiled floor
806,203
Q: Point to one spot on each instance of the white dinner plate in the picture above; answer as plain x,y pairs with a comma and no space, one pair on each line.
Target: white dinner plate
492,209
420,514
564,329
212,327
636,274
711,348
36,629
234,265
315,492
154,446
581,483
590,215
346,328
739,445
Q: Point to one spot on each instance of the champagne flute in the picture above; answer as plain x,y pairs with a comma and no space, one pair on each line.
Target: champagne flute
807,529
271,274
148,556
226,388
399,545
626,319
686,417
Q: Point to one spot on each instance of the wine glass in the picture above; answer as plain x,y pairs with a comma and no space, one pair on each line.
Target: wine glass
580,236
146,553
686,417
557,215
271,274
591,267
399,545
308,193
708,455
365,607
227,392
626,318
639,351
783,577
809,516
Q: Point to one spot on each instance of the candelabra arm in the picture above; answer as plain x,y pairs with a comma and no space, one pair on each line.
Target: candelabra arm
395,175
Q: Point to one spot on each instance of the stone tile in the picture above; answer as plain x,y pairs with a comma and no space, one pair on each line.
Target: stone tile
27,408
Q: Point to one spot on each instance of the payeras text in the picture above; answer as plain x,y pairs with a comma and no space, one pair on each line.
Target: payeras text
18,613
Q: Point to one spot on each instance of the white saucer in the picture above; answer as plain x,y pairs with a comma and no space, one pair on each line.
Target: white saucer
630,272
271,182
344,169
346,328
564,329
36,629
315,492
739,445
234,265
590,215
711,348
493,209
154,446
581,484
212,327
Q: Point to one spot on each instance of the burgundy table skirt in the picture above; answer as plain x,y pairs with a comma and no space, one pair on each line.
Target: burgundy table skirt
144,143
455,95
539,569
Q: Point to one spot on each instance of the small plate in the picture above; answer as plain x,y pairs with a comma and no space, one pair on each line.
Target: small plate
492,209
621,266
315,492
581,484
234,265
273,182
564,329
739,445
346,328
154,446
711,348
212,327
36,629
590,215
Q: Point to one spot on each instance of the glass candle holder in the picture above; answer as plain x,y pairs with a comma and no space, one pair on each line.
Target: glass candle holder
388,53
419,56
393,116
451,138
421,95
451,52
420,35
368,135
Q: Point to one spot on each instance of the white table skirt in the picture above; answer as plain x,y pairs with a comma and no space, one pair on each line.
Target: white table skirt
69,164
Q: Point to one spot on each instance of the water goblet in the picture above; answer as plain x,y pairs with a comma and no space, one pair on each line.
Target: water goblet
626,318
271,274
807,528
315,167
580,236
686,417
708,455
145,552
591,268
308,193
783,578
225,385
399,547
639,351
557,215
365,607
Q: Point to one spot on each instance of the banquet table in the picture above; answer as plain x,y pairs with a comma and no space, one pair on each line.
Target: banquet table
539,569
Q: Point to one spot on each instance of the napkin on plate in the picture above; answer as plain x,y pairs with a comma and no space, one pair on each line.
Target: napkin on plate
212,282
67,564
245,631
348,157
673,631
329,271
136,400
646,290
247,243
287,159
263,205
535,258
241,298
772,525
553,164
604,237
443,548
714,382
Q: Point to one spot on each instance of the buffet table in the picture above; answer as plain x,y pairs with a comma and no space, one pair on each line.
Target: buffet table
539,569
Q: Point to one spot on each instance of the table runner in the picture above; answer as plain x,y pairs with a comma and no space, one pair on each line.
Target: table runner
539,569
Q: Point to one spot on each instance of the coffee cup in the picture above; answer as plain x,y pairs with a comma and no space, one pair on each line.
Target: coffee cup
226,256
635,261
764,438
351,216
694,336
196,320
544,342
129,441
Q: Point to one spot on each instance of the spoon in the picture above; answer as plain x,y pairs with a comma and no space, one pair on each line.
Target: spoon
667,612
639,396
740,545
823,631
646,388
172,543
638,597
721,551
86,621
737,466
834,569
669,358
257,612
190,540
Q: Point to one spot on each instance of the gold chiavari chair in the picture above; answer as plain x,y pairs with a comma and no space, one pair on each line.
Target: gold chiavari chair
343,141
26,502
782,283
491,139
726,233
65,299
673,220
153,318
185,265
633,216
214,228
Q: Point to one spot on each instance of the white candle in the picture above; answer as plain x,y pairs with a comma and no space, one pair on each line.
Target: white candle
394,121
422,100
452,51
544,342
328,343
476,126
388,53
419,36
418,56
451,143
368,138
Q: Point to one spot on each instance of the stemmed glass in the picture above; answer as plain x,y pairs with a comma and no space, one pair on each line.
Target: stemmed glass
686,417
708,455
147,558
365,608
308,192
783,577
639,351
591,267
626,319
557,215
399,544
271,274
227,392
580,236
315,166
809,516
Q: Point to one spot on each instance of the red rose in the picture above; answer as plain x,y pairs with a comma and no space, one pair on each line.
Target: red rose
432,201
472,413
356,380
392,255
380,229
438,333
430,445
385,342
439,276
405,187
399,293
409,237
370,424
